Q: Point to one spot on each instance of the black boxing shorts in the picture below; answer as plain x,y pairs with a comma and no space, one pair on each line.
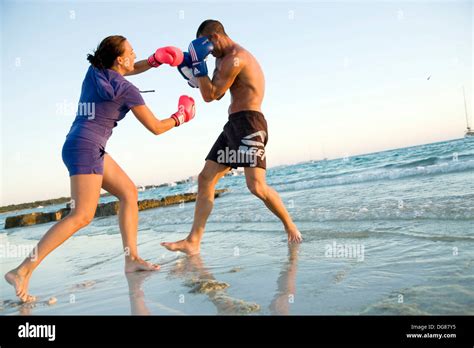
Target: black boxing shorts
242,141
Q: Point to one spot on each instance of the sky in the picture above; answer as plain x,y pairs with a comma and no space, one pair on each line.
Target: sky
342,78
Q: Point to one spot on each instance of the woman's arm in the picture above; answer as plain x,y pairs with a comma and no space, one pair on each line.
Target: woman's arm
154,125
185,113
164,55
139,67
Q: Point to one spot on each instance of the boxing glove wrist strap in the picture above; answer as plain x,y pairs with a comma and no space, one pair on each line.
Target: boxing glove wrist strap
178,118
153,62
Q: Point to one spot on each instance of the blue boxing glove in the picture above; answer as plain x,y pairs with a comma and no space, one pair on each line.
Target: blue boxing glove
186,70
199,49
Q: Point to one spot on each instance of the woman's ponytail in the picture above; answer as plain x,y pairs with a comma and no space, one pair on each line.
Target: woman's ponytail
107,51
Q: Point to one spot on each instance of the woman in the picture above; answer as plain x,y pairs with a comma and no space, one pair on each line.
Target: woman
106,97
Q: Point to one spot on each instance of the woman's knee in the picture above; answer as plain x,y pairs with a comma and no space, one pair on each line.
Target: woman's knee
81,219
129,194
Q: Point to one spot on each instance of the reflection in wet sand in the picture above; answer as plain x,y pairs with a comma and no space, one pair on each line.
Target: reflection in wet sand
137,296
200,280
285,294
25,308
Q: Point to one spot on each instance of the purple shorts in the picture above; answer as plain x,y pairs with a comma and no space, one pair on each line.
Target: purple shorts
82,156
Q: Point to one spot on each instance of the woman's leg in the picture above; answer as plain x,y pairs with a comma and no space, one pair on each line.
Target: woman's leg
85,191
117,182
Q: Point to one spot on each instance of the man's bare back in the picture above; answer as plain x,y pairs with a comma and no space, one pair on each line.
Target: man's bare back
248,87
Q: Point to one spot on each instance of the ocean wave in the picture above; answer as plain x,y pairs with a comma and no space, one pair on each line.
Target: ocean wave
429,161
420,162
370,175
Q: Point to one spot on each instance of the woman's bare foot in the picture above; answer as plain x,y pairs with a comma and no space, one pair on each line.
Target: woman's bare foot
184,245
137,264
294,236
19,281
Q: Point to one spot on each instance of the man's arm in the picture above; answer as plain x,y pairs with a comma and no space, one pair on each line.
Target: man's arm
222,80
139,67
223,94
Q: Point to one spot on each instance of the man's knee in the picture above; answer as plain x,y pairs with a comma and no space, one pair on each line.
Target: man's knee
258,188
206,178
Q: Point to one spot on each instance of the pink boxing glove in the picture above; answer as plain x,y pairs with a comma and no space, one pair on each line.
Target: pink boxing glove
166,55
186,110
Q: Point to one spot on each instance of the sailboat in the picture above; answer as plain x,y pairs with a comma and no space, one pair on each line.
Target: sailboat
469,131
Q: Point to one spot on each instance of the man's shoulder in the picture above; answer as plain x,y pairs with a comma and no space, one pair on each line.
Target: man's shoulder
240,51
238,54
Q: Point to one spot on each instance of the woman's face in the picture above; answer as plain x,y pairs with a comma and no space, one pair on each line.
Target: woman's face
127,59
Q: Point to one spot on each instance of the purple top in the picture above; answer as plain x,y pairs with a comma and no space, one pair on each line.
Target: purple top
106,97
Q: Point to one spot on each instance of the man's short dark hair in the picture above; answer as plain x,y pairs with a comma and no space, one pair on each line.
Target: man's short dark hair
209,27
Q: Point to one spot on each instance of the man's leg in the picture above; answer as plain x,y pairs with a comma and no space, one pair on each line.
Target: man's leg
207,181
256,183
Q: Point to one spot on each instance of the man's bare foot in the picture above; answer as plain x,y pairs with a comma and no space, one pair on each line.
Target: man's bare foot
19,282
135,281
294,236
184,245
138,264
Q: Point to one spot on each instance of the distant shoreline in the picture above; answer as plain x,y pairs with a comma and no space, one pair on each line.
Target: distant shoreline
36,204
61,200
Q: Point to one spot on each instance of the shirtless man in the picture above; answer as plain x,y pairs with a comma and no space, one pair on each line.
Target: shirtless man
242,142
